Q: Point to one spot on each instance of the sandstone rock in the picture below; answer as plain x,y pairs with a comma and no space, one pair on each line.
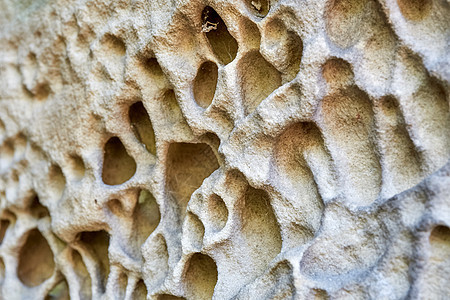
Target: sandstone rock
244,149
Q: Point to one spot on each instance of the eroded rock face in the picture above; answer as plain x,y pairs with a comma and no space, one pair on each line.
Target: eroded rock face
246,149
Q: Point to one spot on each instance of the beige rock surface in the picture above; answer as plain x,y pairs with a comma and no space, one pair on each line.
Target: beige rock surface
225,149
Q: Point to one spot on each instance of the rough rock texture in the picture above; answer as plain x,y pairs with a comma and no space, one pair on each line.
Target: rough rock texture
245,149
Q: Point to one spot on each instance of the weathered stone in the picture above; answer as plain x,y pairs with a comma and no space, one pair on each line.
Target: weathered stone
226,149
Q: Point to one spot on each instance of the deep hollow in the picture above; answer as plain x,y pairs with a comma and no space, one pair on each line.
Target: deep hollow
222,42
187,166
146,216
35,260
258,7
258,79
201,276
218,213
142,126
118,166
205,84
98,243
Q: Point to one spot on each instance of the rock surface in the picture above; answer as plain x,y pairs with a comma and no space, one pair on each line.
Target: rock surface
244,149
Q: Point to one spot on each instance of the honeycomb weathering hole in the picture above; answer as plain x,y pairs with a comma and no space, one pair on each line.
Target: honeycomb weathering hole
285,46
98,243
113,44
118,166
218,212
38,210
260,228
142,126
201,277
77,166
222,42
343,21
194,230
349,130
57,181
84,281
259,7
36,262
415,10
4,224
187,166
258,79
140,291
300,153
205,83
337,72
146,215
59,292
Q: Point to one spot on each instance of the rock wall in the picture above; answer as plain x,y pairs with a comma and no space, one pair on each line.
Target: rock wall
245,149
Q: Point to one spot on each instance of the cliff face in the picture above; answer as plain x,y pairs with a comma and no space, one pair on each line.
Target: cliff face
246,149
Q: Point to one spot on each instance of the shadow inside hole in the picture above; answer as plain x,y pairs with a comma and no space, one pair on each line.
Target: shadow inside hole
118,166
205,83
201,276
187,166
142,126
36,262
223,44
98,244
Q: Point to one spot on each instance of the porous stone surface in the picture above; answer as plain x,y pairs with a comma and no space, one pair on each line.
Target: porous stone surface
225,149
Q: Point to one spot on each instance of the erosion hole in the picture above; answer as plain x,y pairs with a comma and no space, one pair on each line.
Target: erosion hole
187,166
140,291
201,277
258,7
98,243
113,45
205,84
146,216
4,224
344,20
118,166
258,79
415,10
77,166
142,126
218,213
59,292
36,262
222,42
337,72
57,181
38,210
194,230
260,227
